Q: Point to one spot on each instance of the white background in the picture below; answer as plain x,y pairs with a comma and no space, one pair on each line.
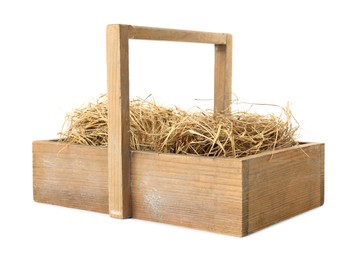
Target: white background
52,58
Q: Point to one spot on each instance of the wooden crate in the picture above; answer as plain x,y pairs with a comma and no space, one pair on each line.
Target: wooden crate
224,195
230,196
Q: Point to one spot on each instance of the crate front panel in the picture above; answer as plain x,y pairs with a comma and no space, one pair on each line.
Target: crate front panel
196,192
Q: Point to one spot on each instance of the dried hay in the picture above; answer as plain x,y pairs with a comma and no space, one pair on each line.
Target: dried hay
172,130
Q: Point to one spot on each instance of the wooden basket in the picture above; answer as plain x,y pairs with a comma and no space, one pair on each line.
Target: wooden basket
224,195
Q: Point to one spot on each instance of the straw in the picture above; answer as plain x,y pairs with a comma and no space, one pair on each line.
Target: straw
172,130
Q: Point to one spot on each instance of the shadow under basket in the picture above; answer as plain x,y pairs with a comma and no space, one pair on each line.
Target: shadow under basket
223,195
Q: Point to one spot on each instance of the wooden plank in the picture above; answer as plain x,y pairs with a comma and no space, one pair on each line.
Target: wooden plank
160,34
118,121
196,192
284,184
245,197
223,76
321,166
73,176
52,146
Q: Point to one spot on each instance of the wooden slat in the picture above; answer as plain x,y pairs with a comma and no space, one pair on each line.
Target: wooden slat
195,192
284,184
118,121
321,166
52,146
73,176
223,76
245,197
160,34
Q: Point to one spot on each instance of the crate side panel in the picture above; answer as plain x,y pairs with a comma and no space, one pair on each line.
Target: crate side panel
202,193
70,175
284,184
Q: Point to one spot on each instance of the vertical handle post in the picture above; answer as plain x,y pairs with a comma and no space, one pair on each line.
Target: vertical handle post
119,154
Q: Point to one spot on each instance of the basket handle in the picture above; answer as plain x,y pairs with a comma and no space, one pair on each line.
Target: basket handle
119,154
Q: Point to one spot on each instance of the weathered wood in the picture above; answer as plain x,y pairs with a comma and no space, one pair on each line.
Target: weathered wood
321,166
161,34
190,191
73,176
118,121
223,76
245,198
224,195
284,184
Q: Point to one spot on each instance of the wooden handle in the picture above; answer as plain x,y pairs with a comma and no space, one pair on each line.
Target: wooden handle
119,154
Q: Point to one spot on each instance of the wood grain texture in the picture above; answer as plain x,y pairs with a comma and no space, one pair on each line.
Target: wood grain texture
229,196
223,76
118,121
284,184
161,34
195,192
245,198
73,176
321,166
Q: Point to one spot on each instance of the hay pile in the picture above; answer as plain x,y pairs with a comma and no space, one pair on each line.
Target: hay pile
172,130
